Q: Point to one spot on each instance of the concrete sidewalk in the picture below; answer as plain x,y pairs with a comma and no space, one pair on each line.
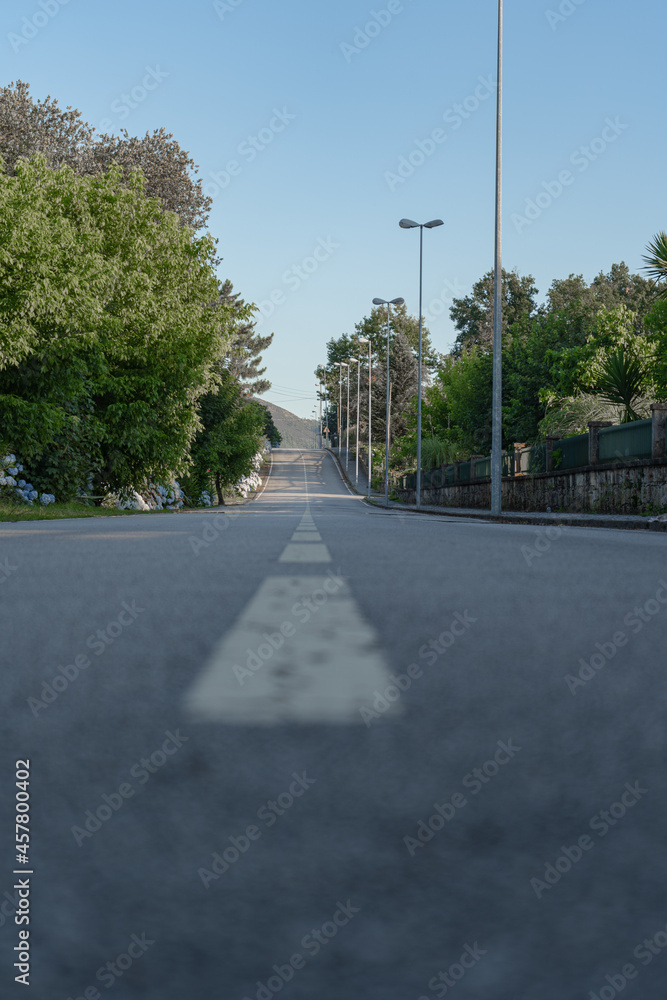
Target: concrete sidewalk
634,521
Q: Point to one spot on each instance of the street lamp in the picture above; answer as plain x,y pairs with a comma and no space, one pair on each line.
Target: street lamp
320,387
357,362
409,224
347,416
341,365
365,340
384,302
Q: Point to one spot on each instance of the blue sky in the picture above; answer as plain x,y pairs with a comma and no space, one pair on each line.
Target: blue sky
316,105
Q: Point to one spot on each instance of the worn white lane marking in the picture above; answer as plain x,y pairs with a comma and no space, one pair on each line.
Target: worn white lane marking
305,552
301,651
303,547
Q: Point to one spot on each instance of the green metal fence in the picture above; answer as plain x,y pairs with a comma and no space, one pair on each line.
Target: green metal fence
626,441
571,453
483,468
464,472
534,459
622,442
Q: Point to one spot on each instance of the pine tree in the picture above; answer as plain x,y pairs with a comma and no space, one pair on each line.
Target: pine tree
243,355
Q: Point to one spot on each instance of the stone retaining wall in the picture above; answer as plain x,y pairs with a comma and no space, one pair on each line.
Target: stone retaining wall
636,488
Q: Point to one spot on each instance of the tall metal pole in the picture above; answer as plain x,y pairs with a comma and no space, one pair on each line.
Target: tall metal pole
347,420
370,442
340,399
419,376
356,450
386,450
497,426
321,428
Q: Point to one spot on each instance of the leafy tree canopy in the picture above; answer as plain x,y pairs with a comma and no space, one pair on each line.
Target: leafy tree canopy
109,330
29,127
473,315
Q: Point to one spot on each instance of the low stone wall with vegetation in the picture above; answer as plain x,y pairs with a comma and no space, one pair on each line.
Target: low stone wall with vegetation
633,488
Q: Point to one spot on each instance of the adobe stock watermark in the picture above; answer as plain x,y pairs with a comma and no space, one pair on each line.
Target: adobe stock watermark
644,952
400,683
635,620
601,823
364,34
6,569
295,276
115,800
454,117
31,26
451,289
98,642
302,611
442,982
542,543
126,102
224,7
9,907
474,781
581,158
108,973
312,942
248,151
268,813
213,528
564,11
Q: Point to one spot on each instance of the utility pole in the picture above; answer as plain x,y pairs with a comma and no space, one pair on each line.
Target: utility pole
497,417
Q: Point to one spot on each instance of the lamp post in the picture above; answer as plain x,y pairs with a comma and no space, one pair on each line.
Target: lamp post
341,365
383,302
357,362
409,224
497,415
365,340
347,415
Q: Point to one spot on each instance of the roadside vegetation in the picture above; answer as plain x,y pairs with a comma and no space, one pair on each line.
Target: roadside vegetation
127,366
591,351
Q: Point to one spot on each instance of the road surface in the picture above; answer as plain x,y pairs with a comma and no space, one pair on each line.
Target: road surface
309,747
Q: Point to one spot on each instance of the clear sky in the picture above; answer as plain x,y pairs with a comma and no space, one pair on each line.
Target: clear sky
316,104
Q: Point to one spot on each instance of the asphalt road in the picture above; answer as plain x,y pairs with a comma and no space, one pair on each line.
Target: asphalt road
313,748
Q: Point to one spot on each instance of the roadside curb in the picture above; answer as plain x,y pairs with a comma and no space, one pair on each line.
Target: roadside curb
626,522
346,478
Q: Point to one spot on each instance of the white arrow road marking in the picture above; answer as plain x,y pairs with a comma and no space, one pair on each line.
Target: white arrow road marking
301,651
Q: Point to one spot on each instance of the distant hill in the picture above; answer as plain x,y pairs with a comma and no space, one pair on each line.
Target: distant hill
296,432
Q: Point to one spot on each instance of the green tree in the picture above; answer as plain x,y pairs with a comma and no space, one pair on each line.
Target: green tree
243,353
473,315
612,376
403,330
270,431
656,262
458,404
109,330
29,127
230,436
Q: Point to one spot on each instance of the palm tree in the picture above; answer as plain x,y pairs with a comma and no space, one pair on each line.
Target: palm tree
656,260
620,380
